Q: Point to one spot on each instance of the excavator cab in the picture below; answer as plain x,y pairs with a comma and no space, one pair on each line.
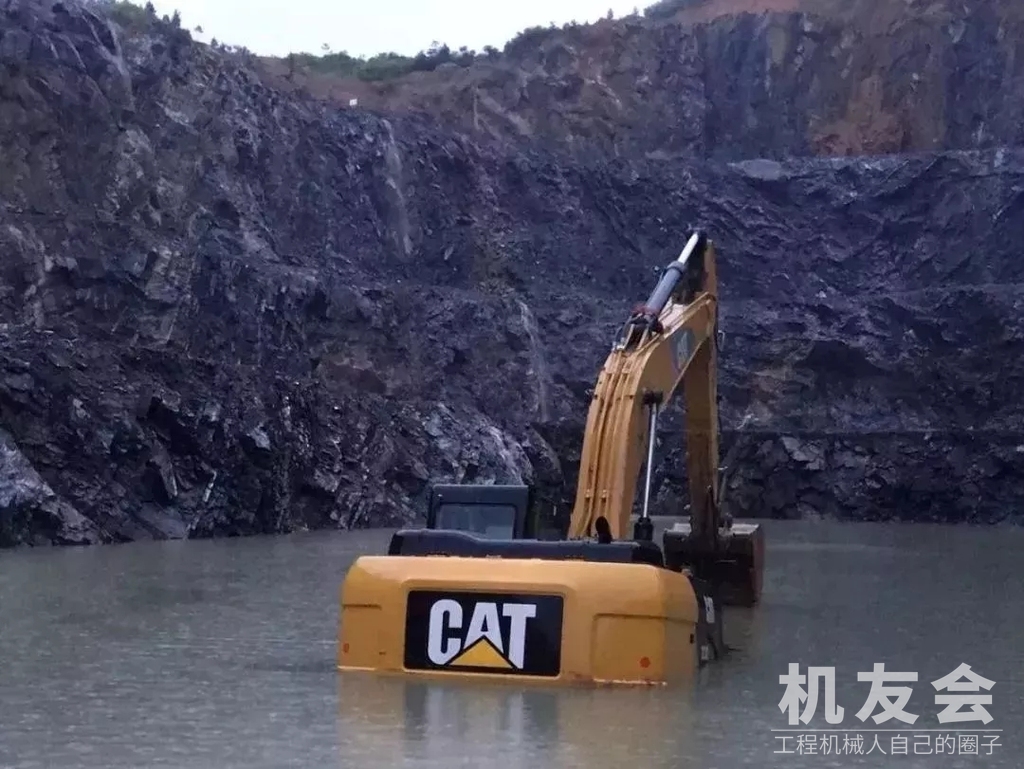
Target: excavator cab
497,521
489,511
507,512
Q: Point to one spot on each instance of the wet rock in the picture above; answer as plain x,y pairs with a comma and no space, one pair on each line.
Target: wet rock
30,511
161,478
806,454
324,482
19,382
258,440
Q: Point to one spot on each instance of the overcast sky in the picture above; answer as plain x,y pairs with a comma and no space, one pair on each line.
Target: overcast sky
366,27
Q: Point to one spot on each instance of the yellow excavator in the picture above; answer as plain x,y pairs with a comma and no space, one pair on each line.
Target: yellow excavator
476,594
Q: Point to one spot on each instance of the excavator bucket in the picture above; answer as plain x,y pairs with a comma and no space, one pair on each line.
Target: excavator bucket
446,604
734,564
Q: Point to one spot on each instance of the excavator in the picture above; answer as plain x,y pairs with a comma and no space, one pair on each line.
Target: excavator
477,594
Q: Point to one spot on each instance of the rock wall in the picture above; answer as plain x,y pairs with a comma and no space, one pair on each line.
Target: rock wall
734,79
226,310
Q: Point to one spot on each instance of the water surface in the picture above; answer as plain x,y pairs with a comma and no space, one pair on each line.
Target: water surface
221,654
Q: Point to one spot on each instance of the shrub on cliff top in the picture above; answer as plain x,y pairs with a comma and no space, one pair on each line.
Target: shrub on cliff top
131,17
137,19
383,66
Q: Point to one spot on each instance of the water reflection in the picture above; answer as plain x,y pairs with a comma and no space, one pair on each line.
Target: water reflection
398,722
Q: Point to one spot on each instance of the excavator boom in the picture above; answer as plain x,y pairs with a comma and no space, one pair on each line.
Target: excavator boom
668,342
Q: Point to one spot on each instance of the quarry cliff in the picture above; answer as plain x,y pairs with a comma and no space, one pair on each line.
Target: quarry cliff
229,307
731,79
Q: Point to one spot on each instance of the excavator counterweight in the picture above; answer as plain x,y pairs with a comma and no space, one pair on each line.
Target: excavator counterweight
477,593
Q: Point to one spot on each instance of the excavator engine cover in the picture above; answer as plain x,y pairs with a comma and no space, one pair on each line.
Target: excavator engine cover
450,604
735,566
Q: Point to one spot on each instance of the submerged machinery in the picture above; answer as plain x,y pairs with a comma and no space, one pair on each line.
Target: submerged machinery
477,594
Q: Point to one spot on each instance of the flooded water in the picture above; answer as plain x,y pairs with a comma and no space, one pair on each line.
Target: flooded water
221,654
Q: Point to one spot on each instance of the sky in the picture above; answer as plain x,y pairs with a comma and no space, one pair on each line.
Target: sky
367,27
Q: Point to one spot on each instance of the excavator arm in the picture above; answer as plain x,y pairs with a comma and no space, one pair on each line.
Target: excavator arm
668,342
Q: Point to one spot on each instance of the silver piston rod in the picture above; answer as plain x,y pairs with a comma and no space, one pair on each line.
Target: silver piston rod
652,428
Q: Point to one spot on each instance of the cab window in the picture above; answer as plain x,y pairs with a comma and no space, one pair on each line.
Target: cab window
491,521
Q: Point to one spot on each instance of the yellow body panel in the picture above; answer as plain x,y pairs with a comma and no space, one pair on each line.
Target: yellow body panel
620,623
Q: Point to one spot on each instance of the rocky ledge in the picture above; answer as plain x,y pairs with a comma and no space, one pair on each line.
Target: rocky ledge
226,310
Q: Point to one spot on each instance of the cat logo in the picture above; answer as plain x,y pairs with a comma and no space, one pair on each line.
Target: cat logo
484,633
482,645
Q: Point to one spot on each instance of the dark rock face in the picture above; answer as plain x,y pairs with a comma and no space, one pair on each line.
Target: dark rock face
225,311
